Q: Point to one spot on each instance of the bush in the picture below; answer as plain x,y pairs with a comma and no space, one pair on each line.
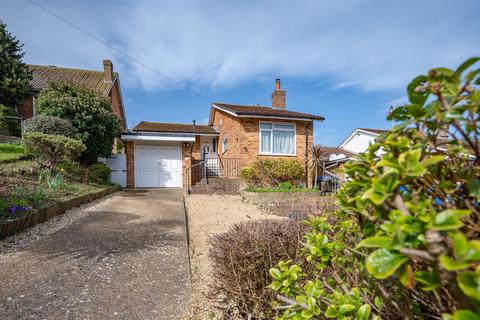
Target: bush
415,197
9,126
90,114
273,172
50,125
99,173
242,257
49,149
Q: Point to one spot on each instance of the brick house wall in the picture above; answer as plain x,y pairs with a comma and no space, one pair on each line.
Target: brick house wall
25,109
116,101
243,135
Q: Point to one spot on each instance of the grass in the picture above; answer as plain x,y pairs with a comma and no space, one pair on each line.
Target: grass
11,152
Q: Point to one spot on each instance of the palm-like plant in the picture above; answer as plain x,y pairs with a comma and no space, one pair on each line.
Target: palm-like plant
317,159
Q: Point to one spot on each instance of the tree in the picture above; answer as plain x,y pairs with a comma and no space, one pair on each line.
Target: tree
90,114
14,74
414,201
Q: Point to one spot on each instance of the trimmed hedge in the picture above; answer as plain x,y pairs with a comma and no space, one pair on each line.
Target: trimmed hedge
50,125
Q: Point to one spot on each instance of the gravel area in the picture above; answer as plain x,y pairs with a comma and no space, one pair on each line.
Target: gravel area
120,258
209,215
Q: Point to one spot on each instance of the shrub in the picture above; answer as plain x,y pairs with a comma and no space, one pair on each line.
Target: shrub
90,114
99,173
49,150
50,125
9,126
272,172
415,195
242,257
249,175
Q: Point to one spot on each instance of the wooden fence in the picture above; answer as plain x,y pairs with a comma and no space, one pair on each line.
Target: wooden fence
12,227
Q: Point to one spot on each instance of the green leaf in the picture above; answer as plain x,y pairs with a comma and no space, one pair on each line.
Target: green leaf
275,273
345,308
382,263
474,188
417,97
428,280
466,315
363,312
467,64
375,242
449,220
452,264
433,160
469,282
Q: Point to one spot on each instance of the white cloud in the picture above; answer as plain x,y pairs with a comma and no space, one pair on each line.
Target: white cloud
370,44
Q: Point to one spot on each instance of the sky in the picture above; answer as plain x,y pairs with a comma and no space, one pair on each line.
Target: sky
346,60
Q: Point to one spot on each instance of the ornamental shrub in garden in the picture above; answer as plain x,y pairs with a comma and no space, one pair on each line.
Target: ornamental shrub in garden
49,149
415,196
272,172
99,173
90,114
50,125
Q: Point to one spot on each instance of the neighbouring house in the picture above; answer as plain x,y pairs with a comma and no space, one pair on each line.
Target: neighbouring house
106,83
180,155
357,142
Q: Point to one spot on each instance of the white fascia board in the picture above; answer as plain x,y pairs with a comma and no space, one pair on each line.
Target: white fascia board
131,137
229,112
276,117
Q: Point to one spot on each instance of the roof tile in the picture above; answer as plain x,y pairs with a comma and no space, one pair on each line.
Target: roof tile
173,127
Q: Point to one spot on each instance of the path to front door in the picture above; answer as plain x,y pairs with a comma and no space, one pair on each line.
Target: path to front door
126,259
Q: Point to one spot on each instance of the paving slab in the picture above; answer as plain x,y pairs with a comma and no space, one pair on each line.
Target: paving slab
127,259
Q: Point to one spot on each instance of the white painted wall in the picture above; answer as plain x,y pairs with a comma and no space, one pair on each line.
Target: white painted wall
359,142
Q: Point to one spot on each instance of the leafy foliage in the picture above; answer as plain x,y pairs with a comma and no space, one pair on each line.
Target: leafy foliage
415,194
99,173
49,150
272,172
14,74
50,125
90,114
9,126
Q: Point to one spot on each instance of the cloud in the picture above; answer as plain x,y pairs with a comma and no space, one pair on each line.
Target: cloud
374,45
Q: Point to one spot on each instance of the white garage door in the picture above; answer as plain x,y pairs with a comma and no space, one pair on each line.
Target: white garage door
158,166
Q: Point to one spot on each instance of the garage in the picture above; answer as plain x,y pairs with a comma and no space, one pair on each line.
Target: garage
158,166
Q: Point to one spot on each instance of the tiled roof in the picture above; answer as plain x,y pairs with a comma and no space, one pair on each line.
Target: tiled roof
93,80
337,151
173,128
242,110
375,131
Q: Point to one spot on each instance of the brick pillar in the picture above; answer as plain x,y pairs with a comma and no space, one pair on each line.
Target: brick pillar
186,163
130,152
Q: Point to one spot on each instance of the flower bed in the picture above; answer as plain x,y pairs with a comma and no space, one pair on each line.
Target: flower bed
9,228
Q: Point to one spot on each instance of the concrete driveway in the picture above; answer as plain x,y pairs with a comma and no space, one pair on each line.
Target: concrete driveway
127,259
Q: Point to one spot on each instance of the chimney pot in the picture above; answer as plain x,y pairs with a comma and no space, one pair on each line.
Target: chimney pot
108,70
193,124
278,96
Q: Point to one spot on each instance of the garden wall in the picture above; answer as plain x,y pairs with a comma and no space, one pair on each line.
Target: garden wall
285,203
12,227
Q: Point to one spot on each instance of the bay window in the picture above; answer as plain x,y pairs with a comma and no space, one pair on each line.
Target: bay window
277,138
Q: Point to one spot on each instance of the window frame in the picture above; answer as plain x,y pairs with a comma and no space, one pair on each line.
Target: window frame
225,140
273,123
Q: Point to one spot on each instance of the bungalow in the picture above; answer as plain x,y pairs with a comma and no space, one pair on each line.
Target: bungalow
179,155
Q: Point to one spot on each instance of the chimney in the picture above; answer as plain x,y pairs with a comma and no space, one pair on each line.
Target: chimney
107,70
278,96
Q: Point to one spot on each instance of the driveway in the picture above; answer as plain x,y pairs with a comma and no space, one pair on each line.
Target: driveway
126,259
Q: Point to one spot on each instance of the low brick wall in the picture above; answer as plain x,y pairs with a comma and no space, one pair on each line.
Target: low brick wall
12,227
285,203
217,186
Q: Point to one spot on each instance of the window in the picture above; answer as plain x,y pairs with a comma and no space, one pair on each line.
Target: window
225,144
277,138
